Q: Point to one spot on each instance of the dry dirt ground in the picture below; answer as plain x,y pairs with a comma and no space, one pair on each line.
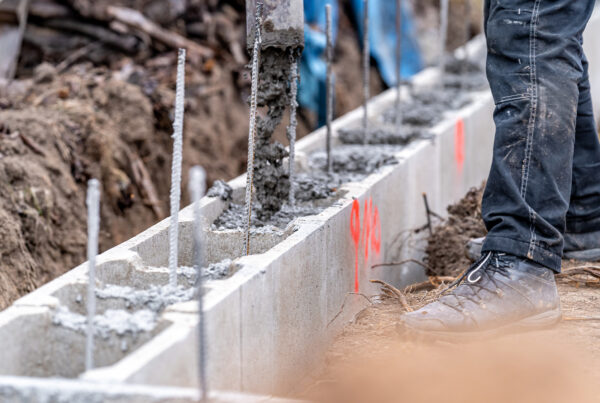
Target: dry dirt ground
371,361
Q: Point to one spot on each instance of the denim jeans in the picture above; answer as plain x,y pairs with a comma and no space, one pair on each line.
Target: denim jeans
545,174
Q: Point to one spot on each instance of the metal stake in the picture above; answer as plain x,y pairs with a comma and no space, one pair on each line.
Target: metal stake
398,60
291,129
329,84
443,39
467,37
176,169
252,126
93,206
428,213
196,188
366,65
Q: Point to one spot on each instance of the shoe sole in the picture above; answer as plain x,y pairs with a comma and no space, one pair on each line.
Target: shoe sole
586,255
544,320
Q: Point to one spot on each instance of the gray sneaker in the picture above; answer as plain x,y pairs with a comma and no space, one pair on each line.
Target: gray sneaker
499,293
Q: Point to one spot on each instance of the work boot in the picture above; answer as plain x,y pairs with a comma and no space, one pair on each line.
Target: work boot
582,246
499,293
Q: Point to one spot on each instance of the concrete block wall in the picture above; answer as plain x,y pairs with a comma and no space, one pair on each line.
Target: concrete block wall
270,322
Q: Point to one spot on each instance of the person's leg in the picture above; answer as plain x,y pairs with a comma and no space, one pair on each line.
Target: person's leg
582,236
534,68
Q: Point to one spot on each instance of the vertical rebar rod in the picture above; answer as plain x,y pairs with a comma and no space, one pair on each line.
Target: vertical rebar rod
252,126
366,64
443,39
93,207
398,60
467,37
176,168
291,129
329,83
197,186
428,214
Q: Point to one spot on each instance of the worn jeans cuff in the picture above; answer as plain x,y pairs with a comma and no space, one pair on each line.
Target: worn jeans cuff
520,249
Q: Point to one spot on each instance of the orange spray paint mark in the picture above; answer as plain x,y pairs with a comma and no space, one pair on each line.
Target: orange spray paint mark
376,237
367,226
459,143
355,233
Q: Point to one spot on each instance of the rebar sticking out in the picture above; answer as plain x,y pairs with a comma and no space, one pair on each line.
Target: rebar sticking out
93,207
443,39
467,37
291,129
252,125
196,188
427,213
366,70
329,84
176,169
398,60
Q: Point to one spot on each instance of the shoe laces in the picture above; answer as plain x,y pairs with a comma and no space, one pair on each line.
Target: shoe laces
487,265
490,263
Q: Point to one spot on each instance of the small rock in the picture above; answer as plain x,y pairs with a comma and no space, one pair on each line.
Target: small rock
44,73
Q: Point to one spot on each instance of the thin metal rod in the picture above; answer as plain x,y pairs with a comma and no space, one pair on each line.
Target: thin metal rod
467,37
398,60
176,169
291,129
93,207
443,39
252,126
329,83
196,187
366,70
428,213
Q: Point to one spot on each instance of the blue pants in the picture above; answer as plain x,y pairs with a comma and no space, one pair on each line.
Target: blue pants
545,174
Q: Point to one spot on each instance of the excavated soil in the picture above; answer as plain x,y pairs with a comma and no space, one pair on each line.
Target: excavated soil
447,247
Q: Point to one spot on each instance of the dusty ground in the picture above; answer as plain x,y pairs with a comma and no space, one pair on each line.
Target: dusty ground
370,361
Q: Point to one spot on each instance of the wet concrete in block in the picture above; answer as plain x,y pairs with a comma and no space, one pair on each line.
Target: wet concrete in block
384,134
113,321
271,179
352,160
426,107
315,190
155,298
234,217
355,162
221,190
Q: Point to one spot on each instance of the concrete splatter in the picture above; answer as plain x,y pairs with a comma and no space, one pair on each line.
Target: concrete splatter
220,189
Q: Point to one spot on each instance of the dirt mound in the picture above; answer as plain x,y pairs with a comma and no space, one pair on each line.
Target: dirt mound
59,130
54,137
446,250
